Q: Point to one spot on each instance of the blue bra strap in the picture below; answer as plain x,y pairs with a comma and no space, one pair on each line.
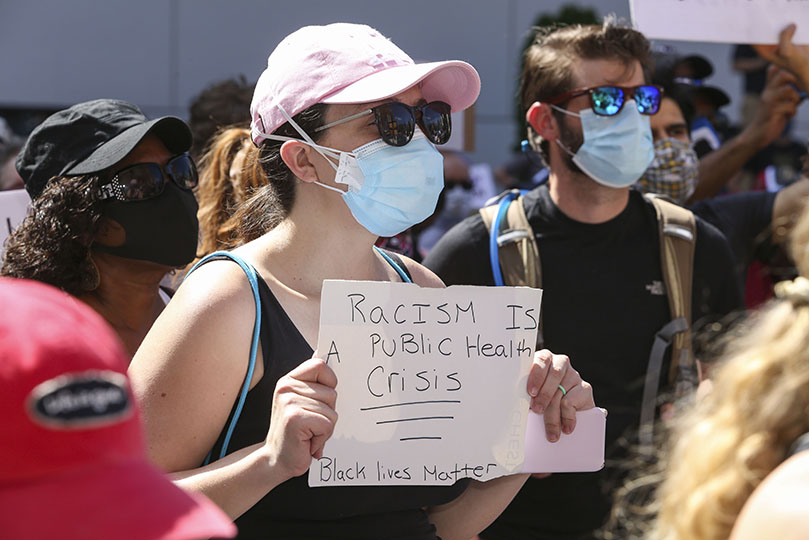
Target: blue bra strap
395,266
253,279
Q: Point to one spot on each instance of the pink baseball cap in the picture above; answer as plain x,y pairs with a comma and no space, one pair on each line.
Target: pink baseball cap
73,465
345,63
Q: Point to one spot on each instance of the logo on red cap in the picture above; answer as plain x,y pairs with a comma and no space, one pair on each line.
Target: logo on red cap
80,400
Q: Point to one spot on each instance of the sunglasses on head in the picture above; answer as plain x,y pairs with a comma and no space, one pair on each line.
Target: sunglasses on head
609,100
396,121
147,180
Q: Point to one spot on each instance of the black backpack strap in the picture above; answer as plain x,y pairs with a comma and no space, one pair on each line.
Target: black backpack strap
663,340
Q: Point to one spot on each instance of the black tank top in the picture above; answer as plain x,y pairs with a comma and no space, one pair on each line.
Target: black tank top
293,509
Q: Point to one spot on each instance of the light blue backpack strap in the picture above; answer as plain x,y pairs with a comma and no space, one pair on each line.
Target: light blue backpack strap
503,202
252,277
494,246
395,266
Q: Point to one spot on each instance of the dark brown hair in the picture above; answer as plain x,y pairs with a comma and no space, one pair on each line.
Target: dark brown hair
52,244
549,61
272,202
219,106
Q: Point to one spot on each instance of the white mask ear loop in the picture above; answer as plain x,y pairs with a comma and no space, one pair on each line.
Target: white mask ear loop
560,109
565,148
323,151
308,139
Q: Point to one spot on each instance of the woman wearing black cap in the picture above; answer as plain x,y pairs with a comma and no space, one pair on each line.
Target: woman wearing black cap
112,210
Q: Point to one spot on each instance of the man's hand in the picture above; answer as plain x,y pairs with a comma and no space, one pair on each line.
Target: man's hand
793,58
549,374
779,103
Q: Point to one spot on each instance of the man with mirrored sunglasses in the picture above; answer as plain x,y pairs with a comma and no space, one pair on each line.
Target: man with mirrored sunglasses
588,104
112,210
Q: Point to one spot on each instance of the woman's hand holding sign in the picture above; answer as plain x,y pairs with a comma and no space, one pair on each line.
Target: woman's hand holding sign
303,416
549,375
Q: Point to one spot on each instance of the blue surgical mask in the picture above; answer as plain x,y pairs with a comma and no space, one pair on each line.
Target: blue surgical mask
616,149
390,188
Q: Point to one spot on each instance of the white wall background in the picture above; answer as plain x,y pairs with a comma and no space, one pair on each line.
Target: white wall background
161,53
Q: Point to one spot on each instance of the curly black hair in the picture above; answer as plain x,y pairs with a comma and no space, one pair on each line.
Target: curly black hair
52,244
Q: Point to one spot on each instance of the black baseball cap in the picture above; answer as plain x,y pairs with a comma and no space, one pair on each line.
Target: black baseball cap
90,137
668,64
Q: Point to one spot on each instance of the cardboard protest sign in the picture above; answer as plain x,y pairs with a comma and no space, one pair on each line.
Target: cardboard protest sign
726,21
431,382
13,207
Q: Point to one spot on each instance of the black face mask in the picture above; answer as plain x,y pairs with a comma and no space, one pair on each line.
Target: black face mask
162,230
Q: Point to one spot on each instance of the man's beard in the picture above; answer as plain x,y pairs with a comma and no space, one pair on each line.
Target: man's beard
571,140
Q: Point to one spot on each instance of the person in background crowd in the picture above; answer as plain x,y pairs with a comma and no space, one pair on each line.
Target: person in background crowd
467,187
733,463
719,165
9,177
720,448
588,107
753,222
224,185
753,69
756,222
112,210
752,427
221,105
344,124
74,466
709,127
777,505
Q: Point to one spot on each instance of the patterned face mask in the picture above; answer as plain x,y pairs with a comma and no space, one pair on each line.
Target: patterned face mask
673,172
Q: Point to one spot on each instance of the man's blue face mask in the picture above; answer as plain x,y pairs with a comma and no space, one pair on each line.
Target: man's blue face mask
617,149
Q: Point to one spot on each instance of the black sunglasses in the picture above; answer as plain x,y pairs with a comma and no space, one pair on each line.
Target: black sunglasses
609,100
396,121
147,180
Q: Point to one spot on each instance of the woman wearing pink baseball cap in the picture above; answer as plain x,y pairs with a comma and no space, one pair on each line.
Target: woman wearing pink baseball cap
344,125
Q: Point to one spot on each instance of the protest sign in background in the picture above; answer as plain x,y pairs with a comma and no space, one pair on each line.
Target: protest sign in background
725,21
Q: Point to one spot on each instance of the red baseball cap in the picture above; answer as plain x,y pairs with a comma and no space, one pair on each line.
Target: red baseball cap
73,463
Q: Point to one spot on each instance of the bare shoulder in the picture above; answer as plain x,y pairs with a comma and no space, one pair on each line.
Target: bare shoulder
421,274
779,507
216,293
199,346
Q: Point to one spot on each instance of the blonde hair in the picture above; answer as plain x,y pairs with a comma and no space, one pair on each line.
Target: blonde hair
226,182
799,240
726,443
